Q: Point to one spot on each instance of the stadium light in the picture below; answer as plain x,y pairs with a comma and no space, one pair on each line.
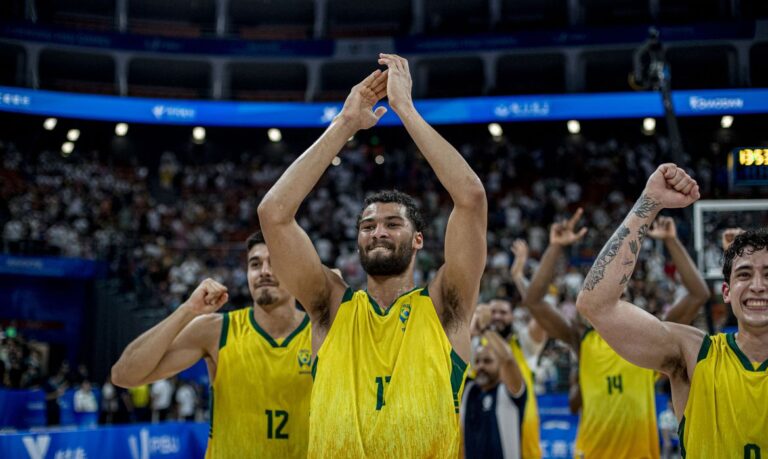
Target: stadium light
67,148
275,135
121,129
50,124
495,130
198,134
379,159
73,135
726,122
649,126
336,161
574,127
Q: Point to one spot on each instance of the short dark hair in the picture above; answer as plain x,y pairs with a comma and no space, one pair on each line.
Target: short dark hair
748,241
254,239
393,196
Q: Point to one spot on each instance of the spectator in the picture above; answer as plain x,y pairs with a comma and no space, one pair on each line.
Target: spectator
162,395
85,405
186,399
668,427
109,403
140,398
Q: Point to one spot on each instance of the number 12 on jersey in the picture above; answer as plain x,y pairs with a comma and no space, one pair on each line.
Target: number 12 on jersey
272,418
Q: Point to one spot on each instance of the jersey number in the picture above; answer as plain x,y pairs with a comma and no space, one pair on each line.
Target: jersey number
274,416
614,384
381,381
751,451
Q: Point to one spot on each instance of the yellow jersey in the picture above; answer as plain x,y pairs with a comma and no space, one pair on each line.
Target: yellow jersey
618,415
387,382
531,447
260,394
725,415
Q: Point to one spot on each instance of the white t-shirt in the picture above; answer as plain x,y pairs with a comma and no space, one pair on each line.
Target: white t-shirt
162,393
85,402
186,398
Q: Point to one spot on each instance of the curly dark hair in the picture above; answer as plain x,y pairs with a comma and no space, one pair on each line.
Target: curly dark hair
749,242
254,239
387,196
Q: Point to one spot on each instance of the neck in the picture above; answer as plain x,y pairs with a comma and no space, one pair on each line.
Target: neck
490,386
386,289
278,319
753,341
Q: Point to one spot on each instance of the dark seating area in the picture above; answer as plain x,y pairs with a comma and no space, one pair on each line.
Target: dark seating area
457,77
267,81
272,19
607,71
616,12
530,74
337,77
13,70
77,14
702,67
456,17
532,14
179,79
353,18
183,19
758,58
77,72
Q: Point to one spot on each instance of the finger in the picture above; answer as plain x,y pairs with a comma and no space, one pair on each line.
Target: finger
367,81
685,183
686,190
575,217
695,192
582,232
380,81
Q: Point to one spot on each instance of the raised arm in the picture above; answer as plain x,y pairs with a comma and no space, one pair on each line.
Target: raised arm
561,234
190,333
458,280
294,258
517,270
632,332
509,370
697,292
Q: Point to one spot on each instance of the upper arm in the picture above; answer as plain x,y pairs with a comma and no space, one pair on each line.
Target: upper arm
458,280
644,340
199,339
298,267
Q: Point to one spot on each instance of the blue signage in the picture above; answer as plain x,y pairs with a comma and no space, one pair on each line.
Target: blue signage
438,111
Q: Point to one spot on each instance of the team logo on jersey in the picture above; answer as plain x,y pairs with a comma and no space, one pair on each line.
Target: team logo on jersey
305,360
405,313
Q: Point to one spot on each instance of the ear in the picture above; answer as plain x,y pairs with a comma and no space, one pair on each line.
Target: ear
726,289
418,240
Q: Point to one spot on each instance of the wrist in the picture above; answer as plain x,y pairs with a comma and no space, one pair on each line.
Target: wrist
404,108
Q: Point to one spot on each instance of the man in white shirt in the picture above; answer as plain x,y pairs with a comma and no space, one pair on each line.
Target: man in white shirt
162,395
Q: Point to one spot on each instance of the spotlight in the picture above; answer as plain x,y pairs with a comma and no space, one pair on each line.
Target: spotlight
67,148
726,122
121,129
275,135
574,127
379,159
50,124
198,134
495,129
73,135
336,161
649,126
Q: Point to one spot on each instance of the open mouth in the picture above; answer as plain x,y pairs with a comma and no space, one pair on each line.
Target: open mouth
756,304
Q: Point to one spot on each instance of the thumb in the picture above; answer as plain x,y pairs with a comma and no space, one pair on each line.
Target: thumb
379,112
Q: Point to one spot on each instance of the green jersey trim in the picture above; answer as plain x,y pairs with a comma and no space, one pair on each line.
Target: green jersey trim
271,341
745,362
224,329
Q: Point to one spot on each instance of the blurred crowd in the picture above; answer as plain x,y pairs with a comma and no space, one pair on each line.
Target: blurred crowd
162,227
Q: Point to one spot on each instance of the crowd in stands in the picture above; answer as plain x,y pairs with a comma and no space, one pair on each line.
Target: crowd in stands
163,227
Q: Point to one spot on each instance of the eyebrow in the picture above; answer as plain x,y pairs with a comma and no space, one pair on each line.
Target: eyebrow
254,258
390,217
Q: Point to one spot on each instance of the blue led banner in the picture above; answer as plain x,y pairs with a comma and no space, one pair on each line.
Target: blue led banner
442,111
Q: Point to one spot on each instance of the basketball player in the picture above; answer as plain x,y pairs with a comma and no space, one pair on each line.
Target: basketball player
617,398
719,382
258,361
390,360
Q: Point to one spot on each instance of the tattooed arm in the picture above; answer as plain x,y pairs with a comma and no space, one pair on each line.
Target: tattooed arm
632,332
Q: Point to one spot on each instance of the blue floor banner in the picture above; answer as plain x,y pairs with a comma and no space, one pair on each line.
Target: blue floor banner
171,440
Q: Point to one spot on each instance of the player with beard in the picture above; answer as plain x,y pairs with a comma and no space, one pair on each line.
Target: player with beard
390,360
494,403
258,361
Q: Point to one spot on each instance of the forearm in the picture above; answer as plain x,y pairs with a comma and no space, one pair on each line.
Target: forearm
284,198
614,265
543,276
512,377
144,353
690,275
522,284
458,178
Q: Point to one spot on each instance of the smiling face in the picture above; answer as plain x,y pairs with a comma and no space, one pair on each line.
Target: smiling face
487,368
747,288
264,286
386,239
